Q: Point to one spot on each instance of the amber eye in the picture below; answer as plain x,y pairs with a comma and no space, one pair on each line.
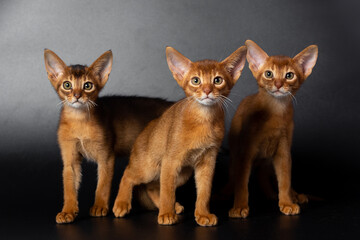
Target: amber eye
88,86
67,85
195,81
289,75
218,80
269,74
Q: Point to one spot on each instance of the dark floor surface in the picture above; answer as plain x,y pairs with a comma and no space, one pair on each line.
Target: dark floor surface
31,196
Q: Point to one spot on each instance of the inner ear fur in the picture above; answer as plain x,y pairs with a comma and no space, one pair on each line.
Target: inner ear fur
234,64
101,67
178,64
255,56
307,59
55,67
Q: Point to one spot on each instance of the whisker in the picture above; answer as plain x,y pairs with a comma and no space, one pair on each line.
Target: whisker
294,100
61,103
230,102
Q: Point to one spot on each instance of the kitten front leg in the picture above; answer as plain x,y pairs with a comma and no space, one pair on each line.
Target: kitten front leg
102,194
282,165
71,180
122,205
204,172
242,163
168,176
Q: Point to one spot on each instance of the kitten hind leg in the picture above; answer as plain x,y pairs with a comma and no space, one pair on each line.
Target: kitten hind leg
102,194
299,197
153,191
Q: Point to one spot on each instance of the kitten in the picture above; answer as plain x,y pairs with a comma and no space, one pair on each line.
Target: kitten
94,128
186,137
262,126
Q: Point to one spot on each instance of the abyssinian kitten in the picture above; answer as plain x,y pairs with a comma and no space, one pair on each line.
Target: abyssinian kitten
94,128
184,139
262,126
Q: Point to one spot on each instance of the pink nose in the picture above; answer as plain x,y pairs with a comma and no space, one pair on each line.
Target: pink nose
77,95
278,84
207,90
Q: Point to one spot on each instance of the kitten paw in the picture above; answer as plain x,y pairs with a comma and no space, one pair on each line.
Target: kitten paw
289,208
299,198
239,212
167,219
206,219
98,211
65,217
179,208
302,198
120,209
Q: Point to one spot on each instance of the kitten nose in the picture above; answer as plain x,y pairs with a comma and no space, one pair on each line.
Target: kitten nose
77,95
278,84
207,90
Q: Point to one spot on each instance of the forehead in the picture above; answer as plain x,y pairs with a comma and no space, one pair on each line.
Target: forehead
206,68
279,62
78,71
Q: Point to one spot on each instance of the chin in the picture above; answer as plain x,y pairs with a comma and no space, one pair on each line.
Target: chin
278,94
206,102
77,105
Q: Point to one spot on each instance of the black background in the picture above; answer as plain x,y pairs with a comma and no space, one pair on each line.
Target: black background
325,148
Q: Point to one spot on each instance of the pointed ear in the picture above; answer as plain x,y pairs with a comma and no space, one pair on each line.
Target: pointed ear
178,64
235,63
255,56
55,67
307,59
101,68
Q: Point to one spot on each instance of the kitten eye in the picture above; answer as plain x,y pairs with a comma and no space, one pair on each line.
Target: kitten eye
195,81
289,75
269,74
67,85
88,86
218,80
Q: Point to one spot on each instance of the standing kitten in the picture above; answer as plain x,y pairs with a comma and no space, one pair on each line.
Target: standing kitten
93,128
186,137
263,125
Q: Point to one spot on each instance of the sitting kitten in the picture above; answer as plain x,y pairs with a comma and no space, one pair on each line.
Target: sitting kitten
93,128
187,136
263,125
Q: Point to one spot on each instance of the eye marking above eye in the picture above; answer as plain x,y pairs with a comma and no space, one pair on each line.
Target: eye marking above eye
88,86
218,80
67,85
268,74
195,81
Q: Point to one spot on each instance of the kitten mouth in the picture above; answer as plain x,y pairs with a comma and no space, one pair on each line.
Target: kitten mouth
277,93
76,104
206,101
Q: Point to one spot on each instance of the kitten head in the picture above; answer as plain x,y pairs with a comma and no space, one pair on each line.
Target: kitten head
207,81
78,86
280,75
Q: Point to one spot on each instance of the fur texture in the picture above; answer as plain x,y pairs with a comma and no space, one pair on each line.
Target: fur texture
184,139
94,128
262,126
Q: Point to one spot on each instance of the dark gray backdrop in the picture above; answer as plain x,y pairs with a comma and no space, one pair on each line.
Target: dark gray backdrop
327,114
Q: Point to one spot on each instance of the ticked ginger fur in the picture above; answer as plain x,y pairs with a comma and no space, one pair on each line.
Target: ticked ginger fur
262,127
184,139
